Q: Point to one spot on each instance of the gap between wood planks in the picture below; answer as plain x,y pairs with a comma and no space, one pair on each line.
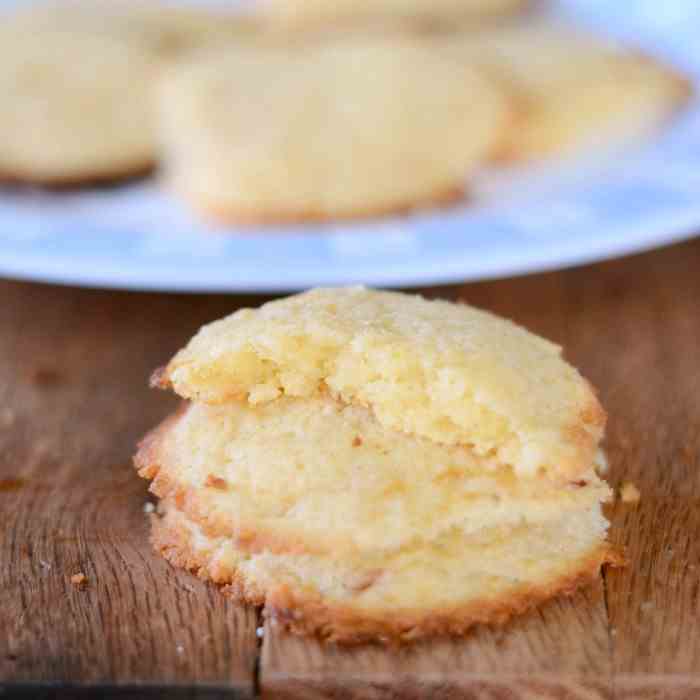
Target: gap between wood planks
259,639
608,626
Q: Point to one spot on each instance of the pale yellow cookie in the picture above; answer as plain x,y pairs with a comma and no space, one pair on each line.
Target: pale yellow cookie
76,107
334,14
166,27
345,129
268,469
372,465
574,91
446,372
78,84
440,588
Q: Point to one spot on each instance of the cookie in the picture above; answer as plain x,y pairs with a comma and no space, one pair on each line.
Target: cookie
446,372
419,592
242,466
78,82
299,15
573,91
372,465
167,28
359,127
77,107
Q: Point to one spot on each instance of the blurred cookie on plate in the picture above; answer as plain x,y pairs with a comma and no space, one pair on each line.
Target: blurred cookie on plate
165,27
77,108
345,129
78,84
574,91
337,14
372,465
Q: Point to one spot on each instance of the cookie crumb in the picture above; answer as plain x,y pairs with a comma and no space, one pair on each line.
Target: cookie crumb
601,463
158,379
46,377
79,580
149,507
629,493
357,441
216,482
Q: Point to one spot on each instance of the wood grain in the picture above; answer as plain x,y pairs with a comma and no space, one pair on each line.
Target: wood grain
74,400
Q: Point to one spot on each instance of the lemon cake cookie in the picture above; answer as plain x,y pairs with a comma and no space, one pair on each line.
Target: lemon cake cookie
166,27
373,465
296,15
352,128
574,91
78,84
77,107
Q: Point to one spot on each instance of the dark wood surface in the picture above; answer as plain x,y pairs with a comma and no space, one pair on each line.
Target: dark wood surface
74,401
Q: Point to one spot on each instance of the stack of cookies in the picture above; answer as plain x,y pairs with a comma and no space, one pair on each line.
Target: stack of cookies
372,465
306,111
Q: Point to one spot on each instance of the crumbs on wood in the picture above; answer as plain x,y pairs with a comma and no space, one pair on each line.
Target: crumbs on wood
629,493
79,580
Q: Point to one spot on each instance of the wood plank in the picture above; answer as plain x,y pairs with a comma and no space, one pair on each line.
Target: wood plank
633,327
655,443
73,402
559,651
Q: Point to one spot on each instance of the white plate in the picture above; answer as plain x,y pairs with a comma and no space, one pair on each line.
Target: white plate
137,237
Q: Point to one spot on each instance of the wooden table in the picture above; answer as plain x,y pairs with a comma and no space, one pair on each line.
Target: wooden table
74,401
